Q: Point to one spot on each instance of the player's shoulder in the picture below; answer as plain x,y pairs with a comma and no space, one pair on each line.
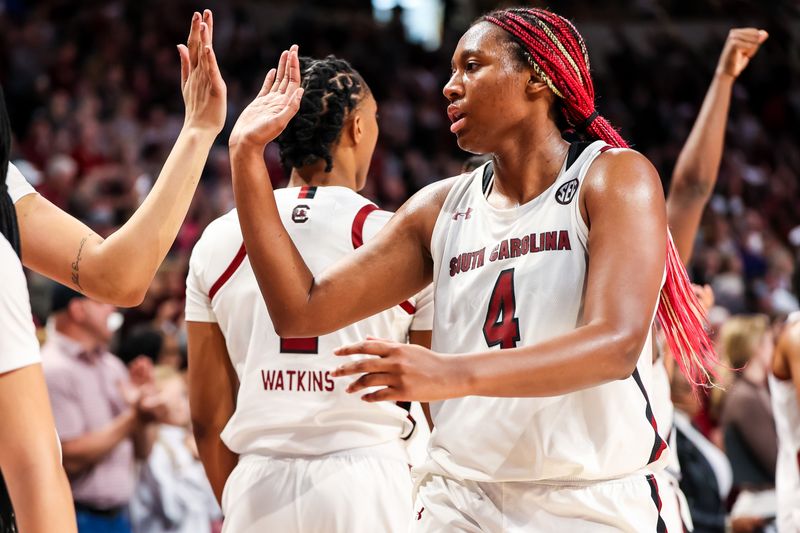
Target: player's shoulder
622,172
220,235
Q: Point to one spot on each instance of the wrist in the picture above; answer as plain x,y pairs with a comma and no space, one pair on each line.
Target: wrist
462,376
199,133
724,76
244,145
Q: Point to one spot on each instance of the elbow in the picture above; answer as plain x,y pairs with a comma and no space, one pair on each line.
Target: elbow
692,186
121,292
626,346
291,325
130,298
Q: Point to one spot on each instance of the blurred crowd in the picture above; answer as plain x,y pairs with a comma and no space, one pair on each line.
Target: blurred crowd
94,97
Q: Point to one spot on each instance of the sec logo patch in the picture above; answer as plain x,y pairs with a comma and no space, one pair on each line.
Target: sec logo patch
566,192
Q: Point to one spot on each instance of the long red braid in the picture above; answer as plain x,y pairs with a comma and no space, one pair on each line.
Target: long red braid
557,53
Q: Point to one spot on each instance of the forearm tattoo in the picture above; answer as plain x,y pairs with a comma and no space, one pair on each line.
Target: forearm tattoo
76,265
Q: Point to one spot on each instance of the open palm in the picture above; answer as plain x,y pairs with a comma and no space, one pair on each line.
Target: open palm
277,102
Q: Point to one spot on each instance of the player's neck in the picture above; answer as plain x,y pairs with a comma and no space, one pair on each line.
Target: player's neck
527,165
341,175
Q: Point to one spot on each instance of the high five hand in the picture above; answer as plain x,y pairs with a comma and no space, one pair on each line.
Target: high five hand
204,91
277,102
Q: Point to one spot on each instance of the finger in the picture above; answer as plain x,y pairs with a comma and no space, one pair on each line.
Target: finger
281,70
382,395
202,59
193,42
372,365
371,380
183,52
213,68
762,36
750,37
292,79
379,348
268,81
208,18
371,338
205,38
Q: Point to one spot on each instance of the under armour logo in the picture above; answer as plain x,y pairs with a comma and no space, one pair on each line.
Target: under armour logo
466,215
419,514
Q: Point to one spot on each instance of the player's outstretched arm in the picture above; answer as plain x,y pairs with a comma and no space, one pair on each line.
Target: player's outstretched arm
213,386
390,268
624,202
119,269
697,167
29,454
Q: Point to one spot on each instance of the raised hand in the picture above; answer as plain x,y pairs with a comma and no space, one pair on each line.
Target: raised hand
406,372
741,45
204,91
277,102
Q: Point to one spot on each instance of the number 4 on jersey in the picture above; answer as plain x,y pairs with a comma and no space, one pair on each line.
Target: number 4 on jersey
501,326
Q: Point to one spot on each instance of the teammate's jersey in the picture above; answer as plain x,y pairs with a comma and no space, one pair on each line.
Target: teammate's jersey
516,277
288,404
787,474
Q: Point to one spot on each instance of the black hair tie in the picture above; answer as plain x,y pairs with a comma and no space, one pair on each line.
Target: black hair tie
583,126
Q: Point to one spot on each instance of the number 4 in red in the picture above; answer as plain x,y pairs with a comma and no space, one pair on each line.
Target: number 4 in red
501,326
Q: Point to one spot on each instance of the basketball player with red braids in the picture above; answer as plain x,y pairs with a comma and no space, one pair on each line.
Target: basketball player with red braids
549,263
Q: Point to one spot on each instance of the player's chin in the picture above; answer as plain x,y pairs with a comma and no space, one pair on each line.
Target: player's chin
465,141
471,144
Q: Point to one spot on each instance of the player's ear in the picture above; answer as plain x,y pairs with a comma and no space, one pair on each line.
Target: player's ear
357,127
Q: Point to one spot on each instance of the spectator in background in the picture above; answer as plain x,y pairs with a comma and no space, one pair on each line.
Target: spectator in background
748,426
173,494
705,470
104,414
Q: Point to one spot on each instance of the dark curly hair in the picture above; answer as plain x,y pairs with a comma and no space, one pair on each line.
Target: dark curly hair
333,89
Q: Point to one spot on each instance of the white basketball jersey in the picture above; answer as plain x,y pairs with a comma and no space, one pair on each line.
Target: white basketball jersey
514,277
787,474
288,403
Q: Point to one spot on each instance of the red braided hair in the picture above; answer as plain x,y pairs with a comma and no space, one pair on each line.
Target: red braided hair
557,53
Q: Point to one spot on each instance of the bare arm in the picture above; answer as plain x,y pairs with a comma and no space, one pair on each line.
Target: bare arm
87,450
29,455
120,268
622,196
387,270
697,167
213,386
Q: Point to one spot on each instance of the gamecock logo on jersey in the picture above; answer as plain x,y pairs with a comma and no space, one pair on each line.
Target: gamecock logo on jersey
566,192
300,213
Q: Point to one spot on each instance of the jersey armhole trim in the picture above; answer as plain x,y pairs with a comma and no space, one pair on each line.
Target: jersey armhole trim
357,232
357,236
226,275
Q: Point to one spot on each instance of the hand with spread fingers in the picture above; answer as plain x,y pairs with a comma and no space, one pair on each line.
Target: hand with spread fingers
741,45
277,102
204,91
405,372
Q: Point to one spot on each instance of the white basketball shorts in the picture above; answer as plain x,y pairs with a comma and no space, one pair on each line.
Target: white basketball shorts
444,505
338,493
